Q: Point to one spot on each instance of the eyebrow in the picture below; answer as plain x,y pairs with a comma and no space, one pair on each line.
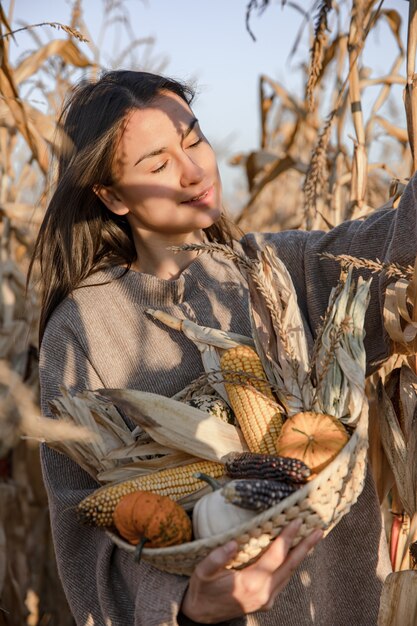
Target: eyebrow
185,134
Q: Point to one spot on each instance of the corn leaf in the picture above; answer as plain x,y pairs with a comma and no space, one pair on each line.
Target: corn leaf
65,48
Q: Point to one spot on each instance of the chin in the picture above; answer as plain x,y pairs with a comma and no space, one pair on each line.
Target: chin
206,219
212,217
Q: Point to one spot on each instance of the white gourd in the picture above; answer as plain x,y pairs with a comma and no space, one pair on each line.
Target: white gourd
213,515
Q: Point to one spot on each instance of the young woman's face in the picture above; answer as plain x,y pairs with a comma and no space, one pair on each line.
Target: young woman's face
167,179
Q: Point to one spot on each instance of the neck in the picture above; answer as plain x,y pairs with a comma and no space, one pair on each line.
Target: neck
154,256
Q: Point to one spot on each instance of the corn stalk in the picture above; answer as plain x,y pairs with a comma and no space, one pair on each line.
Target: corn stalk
410,94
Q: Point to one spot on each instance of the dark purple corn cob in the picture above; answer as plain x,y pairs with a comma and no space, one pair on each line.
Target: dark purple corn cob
256,465
256,494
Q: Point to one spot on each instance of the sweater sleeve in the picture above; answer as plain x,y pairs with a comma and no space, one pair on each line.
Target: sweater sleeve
102,583
389,236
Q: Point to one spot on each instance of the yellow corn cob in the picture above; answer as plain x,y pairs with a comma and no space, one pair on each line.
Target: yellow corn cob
254,408
97,509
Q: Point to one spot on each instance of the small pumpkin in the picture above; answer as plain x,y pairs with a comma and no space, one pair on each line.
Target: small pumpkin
214,515
146,517
314,438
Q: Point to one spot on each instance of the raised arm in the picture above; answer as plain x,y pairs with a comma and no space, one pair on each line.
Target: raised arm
388,235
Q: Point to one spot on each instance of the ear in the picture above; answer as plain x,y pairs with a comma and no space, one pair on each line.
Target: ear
110,199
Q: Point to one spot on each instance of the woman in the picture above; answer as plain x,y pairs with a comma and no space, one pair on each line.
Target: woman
138,176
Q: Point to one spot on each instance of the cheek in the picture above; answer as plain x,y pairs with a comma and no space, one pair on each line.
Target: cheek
206,157
212,160
146,193
219,182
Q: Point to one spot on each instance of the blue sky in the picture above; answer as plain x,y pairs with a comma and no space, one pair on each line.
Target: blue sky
207,41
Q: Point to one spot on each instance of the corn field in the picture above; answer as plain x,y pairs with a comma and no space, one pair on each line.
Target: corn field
313,169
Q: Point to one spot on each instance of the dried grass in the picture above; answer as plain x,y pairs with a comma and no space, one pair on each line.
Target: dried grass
67,29
392,270
318,50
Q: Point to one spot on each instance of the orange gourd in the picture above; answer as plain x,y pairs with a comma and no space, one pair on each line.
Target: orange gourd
146,517
314,438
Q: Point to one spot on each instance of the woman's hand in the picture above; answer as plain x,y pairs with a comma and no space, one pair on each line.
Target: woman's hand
217,594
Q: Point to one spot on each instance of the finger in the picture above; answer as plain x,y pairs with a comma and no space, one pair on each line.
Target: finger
216,560
303,548
276,553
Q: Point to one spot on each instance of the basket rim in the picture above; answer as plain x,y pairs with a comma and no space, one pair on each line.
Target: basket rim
360,433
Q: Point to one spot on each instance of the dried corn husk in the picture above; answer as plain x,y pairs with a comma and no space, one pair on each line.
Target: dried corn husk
381,469
400,445
112,452
341,382
396,410
100,418
201,335
400,313
138,449
177,425
398,606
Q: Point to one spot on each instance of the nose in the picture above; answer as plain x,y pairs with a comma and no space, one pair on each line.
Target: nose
191,172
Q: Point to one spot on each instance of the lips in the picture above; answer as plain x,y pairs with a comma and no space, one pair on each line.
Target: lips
200,198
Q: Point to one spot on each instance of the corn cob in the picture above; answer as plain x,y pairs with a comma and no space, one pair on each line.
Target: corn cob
272,467
214,405
252,402
97,509
256,495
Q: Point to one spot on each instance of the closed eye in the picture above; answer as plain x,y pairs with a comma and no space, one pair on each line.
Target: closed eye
192,145
195,143
160,168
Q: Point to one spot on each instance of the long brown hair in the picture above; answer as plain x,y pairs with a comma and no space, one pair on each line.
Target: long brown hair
79,235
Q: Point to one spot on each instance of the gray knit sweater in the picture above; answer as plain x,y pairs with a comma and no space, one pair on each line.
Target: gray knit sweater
101,337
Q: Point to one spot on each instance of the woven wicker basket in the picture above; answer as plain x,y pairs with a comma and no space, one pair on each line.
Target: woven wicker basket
320,503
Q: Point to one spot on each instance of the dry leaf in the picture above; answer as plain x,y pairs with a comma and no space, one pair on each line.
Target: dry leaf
177,425
65,48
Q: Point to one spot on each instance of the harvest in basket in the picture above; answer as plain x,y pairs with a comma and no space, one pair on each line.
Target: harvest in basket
271,432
